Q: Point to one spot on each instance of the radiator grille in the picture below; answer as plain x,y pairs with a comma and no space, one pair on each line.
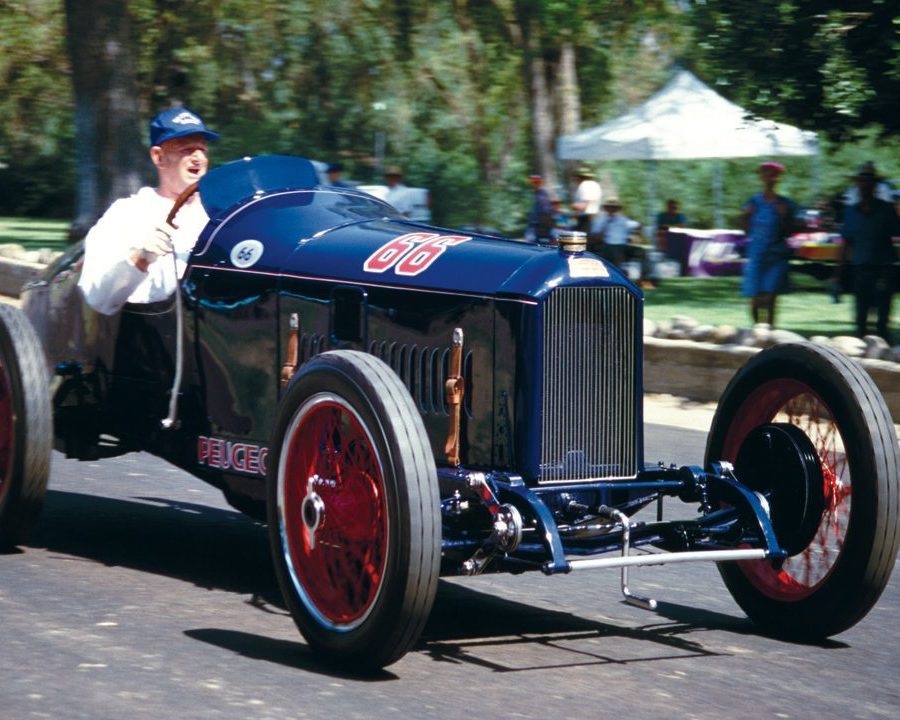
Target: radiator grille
589,418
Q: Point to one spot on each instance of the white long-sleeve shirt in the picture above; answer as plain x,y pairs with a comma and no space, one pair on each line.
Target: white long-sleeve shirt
108,277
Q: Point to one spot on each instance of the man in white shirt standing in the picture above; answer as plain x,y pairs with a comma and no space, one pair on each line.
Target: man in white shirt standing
124,252
586,203
398,194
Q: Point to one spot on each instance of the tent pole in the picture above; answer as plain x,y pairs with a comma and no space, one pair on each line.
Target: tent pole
651,201
717,193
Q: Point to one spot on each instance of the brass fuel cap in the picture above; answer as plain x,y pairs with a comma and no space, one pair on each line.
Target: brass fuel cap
572,241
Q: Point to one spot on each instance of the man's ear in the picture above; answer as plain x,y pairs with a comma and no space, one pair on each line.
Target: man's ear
156,155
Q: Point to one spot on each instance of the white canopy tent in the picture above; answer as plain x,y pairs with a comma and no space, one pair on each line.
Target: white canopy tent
686,120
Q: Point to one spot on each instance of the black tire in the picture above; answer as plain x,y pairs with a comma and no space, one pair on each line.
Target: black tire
833,582
361,584
26,429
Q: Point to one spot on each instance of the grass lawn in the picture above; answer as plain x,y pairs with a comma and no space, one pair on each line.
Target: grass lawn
33,233
808,310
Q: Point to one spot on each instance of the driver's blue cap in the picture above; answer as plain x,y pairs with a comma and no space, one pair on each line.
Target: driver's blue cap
178,122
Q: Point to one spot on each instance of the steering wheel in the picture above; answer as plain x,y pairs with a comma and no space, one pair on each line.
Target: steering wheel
180,201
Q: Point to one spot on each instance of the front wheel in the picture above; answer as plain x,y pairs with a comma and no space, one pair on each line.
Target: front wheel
353,510
831,582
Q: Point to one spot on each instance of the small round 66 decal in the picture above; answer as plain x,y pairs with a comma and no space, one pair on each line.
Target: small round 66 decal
246,253
412,253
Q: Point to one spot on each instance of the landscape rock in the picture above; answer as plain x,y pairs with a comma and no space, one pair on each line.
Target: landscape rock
724,334
776,337
702,333
876,347
12,250
684,322
849,345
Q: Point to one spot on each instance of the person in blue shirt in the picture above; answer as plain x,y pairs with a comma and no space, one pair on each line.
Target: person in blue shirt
767,218
540,217
868,231
670,217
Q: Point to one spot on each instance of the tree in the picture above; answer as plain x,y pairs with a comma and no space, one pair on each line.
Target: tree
109,151
830,65
36,133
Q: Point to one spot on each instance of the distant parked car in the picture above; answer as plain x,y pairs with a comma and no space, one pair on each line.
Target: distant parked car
415,202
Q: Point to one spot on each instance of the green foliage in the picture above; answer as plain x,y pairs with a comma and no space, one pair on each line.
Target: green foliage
446,84
36,133
34,234
830,65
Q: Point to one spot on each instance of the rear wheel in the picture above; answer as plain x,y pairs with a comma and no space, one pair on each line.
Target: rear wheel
354,510
26,432
831,582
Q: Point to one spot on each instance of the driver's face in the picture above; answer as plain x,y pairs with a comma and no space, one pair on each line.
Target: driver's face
181,161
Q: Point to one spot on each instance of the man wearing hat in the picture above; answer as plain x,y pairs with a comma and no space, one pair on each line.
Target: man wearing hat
124,251
868,230
334,172
586,203
398,193
609,237
883,189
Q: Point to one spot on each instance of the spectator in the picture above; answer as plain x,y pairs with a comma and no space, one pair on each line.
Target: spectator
609,238
883,189
121,250
540,217
561,220
334,172
398,193
670,217
586,203
767,218
868,230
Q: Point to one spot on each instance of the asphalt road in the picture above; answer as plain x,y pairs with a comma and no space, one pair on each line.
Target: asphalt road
142,595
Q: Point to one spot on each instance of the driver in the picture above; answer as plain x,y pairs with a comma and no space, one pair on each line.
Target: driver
124,251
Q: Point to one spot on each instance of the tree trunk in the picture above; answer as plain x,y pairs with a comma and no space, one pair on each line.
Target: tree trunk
567,90
569,99
109,152
542,125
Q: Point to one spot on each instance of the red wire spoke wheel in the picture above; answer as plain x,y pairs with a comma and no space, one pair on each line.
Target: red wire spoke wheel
830,584
26,428
354,510
789,401
337,551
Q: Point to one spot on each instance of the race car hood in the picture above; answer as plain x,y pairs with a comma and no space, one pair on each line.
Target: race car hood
260,224
400,253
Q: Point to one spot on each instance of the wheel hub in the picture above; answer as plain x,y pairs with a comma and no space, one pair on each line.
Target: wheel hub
780,462
312,512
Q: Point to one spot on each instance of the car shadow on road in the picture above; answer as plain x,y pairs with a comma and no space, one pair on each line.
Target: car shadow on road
221,549
210,547
289,653
503,635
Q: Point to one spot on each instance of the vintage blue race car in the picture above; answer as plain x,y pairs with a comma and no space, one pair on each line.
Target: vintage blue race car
401,401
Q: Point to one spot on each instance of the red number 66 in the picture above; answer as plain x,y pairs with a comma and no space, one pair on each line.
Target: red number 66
411,254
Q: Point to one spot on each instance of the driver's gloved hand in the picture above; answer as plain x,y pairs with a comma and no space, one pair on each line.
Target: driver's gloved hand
156,243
